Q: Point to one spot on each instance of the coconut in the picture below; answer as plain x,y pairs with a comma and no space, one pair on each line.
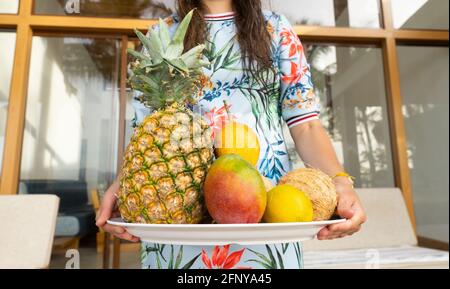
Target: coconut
319,188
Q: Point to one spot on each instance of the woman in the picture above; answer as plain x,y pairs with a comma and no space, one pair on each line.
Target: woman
263,78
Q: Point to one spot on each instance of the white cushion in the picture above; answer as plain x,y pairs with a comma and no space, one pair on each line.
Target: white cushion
388,224
27,226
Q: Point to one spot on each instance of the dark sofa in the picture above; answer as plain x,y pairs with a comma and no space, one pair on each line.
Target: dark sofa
76,216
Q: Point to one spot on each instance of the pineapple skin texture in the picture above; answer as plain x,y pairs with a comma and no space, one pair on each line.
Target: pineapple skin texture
164,167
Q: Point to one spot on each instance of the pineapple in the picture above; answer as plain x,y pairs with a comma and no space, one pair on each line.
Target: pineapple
170,152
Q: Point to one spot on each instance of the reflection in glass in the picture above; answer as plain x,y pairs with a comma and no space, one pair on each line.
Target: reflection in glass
71,129
425,90
106,8
8,41
350,84
343,13
9,6
134,44
420,14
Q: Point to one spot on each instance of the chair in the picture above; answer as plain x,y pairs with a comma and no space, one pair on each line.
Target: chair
76,216
27,229
387,240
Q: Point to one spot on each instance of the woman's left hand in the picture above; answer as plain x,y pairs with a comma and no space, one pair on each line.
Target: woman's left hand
350,208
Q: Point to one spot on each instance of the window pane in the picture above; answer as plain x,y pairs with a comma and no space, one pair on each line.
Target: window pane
350,84
354,13
71,130
106,8
345,13
134,44
420,14
9,6
8,43
424,83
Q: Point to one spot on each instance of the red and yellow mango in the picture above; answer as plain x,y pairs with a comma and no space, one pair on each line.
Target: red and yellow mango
234,191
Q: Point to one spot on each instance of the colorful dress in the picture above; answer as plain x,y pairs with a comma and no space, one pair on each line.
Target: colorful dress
286,96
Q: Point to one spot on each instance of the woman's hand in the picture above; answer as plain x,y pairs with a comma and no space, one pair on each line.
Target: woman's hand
107,210
315,148
350,208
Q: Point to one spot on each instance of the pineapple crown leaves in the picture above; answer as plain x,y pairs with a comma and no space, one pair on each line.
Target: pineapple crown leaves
163,73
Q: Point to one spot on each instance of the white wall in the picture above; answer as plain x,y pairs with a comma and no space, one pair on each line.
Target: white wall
431,14
321,12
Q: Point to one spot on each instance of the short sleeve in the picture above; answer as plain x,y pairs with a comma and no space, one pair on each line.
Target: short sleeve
298,101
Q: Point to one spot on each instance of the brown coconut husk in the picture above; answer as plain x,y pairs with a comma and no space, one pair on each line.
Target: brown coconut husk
319,188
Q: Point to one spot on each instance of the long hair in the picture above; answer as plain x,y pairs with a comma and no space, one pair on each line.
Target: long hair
252,34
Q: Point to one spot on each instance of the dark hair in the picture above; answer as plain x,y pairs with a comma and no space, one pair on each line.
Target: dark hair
252,34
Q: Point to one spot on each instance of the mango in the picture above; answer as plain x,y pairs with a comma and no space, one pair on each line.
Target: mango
234,191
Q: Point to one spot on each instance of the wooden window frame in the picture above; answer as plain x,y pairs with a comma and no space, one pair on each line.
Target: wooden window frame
26,25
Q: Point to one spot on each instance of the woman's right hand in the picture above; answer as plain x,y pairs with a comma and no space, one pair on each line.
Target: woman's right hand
109,209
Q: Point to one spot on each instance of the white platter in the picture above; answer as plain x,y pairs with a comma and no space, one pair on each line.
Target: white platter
223,234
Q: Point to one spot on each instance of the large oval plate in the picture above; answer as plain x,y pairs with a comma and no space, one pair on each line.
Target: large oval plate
223,234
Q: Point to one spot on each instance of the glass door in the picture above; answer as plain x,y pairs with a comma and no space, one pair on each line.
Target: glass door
71,128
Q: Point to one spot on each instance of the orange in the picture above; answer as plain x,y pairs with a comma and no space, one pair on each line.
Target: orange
287,204
239,139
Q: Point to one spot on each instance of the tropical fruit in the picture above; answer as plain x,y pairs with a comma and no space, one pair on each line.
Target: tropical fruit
237,138
234,191
318,187
285,204
166,161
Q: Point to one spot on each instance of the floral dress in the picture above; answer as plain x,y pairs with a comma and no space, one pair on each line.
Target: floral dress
288,96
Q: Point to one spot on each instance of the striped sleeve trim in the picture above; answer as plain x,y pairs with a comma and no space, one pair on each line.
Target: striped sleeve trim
296,120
